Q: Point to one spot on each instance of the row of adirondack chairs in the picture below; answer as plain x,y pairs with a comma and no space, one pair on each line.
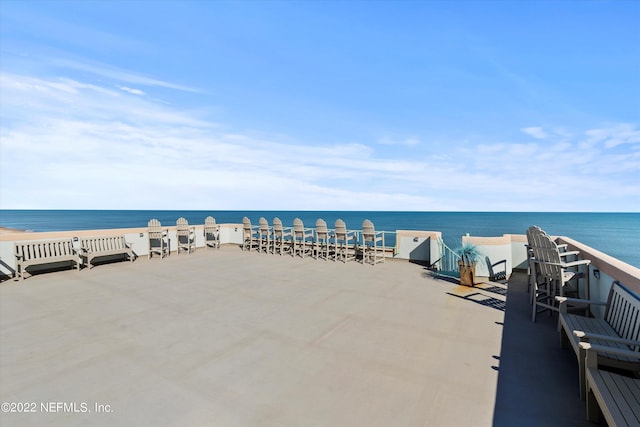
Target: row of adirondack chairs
186,239
319,242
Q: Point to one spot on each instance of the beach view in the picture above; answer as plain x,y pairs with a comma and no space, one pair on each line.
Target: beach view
312,213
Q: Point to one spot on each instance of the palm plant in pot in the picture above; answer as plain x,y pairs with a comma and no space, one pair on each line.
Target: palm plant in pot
469,255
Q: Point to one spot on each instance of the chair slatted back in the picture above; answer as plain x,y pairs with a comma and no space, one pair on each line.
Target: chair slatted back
263,226
155,229
369,232
321,229
623,312
340,229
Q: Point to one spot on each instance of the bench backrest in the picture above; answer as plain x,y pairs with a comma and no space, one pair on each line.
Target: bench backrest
103,244
44,249
623,312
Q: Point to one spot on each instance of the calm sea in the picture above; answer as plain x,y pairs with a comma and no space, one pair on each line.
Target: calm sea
616,234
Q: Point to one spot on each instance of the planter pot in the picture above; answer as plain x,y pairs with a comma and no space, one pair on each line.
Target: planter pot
467,273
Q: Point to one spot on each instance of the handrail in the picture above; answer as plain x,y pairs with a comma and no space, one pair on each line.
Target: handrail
447,264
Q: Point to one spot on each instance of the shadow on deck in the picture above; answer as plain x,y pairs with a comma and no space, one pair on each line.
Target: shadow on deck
538,380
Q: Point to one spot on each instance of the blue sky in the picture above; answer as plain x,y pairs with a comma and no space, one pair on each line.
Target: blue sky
320,105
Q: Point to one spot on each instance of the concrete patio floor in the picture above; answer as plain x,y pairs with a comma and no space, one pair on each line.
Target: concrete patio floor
229,338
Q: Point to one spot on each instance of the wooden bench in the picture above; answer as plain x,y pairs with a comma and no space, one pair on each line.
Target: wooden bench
30,253
92,247
616,396
620,328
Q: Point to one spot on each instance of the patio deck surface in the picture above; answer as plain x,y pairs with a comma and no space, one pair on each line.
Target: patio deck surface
229,338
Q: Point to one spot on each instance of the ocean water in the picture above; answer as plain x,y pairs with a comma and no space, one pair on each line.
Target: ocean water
616,234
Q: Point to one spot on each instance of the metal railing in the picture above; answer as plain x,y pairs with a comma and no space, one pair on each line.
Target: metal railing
447,265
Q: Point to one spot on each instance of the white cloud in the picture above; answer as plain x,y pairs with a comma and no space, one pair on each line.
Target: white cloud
69,144
410,141
536,132
614,135
131,90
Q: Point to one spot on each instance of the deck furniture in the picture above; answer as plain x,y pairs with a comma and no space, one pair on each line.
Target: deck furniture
534,243
186,236
560,278
614,395
264,235
30,253
535,236
158,239
92,247
372,244
620,328
249,236
281,237
300,236
322,239
345,242
211,233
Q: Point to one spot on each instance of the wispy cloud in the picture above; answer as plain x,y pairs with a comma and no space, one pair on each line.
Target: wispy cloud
536,132
614,135
118,74
70,144
410,141
131,90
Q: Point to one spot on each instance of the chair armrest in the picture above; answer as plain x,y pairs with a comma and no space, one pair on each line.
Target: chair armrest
578,301
576,263
611,350
567,253
586,336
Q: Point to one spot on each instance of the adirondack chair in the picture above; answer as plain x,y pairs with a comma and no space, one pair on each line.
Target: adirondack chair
372,244
300,237
158,238
264,235
345,242
322,239
186,236
281,237
250,237
560,278
211,233
535,242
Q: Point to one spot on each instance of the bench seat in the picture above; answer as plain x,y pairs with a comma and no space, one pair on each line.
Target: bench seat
620,328
92,247
614,395
29,253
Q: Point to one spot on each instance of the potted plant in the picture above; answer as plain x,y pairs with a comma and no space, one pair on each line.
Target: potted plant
469,255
